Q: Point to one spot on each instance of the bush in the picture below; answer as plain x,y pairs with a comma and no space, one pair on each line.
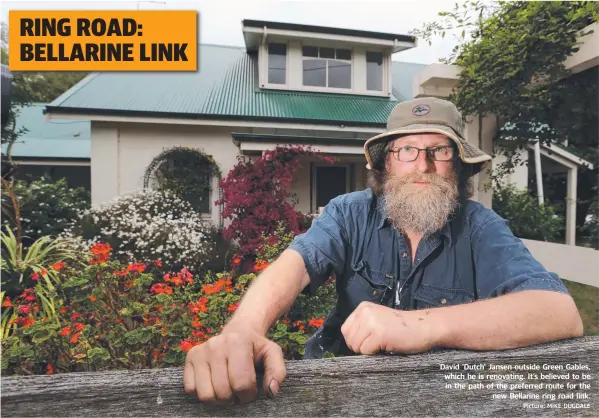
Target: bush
46,207
527,219
148,225
256,198
113,315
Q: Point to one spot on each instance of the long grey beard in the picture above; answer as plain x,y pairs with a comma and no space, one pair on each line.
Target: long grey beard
420,210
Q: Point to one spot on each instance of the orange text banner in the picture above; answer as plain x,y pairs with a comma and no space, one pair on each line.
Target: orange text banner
139,40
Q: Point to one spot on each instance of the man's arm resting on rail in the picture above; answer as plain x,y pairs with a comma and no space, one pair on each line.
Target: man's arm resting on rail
509,321
513,320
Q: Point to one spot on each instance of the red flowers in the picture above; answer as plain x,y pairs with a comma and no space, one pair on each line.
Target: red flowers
7,303
65,331
316,322
35,276
218,286
101,253
187,344
233,307
260,265
159,288
178,279
236,261
59,265
198,307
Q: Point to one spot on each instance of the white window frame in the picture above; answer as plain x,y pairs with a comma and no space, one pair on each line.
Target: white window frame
315,166
384,73
263,65
327,88
294,65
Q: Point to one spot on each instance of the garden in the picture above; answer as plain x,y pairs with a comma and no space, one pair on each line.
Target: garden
136,282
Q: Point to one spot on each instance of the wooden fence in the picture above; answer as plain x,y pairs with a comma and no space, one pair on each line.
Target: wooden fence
384,385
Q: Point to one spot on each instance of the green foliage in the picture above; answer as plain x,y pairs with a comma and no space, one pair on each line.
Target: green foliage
307,312
512,56
18,265
47,207
526,218
185,172
30,87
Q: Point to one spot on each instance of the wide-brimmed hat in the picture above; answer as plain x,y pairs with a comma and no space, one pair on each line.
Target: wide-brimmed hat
425,115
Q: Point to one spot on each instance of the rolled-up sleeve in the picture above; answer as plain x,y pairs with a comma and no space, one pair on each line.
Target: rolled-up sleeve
504,264
323,247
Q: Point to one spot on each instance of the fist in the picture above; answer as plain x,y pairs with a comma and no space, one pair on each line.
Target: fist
373,328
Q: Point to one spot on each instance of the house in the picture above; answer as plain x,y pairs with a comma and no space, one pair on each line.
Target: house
51,148
327,87
291,84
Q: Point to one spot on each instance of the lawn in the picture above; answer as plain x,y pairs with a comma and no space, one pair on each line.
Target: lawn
587,301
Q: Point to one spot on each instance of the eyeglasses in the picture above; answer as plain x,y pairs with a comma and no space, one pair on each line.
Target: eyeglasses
408,153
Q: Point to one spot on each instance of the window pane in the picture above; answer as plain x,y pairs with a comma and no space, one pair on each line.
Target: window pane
343,54
339,74
277,63
315,72
277,49
327,52
310,51
374,71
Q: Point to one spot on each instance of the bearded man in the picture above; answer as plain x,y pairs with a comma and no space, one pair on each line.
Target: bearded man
418,266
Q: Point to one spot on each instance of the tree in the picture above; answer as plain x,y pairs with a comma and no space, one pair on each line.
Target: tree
512,56
30,87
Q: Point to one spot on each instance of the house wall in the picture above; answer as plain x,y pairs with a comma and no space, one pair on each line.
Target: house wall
519,177
120,154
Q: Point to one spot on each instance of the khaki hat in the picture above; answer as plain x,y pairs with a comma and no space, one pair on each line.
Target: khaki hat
425,115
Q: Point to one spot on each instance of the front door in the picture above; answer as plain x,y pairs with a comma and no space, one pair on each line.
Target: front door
330,182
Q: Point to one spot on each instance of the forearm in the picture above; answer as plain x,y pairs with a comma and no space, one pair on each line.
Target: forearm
272,293
509,321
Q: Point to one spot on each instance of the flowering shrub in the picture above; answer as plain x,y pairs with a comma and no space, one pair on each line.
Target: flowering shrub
115,315
148,224
46,207
255,196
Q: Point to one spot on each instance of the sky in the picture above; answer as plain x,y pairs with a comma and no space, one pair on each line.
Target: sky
220,20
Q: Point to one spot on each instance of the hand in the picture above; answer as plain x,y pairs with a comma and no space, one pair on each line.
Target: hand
373,328
223,368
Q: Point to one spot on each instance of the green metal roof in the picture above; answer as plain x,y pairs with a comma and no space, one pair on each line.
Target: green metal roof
50,138
226,86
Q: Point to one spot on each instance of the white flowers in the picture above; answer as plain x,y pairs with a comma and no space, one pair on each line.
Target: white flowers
150,225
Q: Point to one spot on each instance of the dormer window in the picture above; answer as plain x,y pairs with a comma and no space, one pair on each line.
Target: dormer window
322,59
326,67
277,63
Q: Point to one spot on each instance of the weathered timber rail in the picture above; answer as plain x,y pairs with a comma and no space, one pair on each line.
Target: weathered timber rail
381,385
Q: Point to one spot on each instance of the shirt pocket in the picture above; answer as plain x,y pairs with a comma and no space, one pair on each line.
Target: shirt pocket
431,296
366,285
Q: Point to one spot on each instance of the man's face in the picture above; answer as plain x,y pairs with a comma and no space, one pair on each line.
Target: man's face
420,194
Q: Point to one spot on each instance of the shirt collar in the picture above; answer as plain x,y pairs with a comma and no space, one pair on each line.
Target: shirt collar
384,221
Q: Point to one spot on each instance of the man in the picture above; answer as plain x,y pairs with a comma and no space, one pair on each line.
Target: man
417,264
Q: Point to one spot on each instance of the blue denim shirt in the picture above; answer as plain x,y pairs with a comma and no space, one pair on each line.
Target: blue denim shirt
475,256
